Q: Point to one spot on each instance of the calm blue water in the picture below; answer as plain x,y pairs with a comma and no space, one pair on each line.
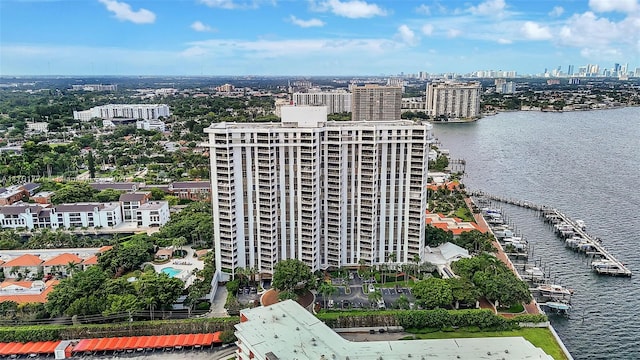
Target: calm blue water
587,164
172,272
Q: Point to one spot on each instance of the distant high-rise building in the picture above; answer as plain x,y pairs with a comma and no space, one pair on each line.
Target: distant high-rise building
129,111
94,87
637,72
454,99
335,101
327,193
373,102
570,70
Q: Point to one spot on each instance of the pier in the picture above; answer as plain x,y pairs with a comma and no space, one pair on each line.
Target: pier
573,234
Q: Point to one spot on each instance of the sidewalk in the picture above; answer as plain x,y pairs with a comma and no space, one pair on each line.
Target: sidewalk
530,308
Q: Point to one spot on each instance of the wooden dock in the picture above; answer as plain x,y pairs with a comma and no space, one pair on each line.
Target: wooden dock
602,261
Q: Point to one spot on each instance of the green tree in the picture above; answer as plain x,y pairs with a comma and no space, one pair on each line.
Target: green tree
91,164
127,256
326,289
433,293
108,195
159,290
117,304
292,275
73,192
375,296
463,291
402,302
435,236
71,289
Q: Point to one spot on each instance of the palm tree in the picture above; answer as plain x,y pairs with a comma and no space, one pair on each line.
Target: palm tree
361,264
375,296
416,259
326,289
71,268
392,258
251,272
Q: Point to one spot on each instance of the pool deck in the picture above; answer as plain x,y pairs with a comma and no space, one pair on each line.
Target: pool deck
185,265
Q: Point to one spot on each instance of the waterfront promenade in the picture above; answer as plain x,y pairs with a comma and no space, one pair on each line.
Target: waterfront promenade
530,308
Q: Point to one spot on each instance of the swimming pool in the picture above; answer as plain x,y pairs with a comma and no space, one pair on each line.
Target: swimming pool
172,272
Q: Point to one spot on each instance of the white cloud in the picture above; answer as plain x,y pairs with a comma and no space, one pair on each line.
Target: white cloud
199,26
625,6
407,35
235,4
223,4
452,33
590,31
489,8
123,12
556,11
504,41
353,9
306,23
534,31
427,29
274,48
423,10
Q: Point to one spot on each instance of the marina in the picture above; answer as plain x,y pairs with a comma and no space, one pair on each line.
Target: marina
573,233
526,156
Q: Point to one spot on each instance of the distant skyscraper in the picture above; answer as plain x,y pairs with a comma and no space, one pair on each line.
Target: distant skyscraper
570,70
454,99
335,101
376,103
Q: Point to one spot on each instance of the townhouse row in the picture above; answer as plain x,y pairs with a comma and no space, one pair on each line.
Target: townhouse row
132,208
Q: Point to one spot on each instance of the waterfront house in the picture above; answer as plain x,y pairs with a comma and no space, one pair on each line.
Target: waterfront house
23,292
191,190
131,202
62,264
153,214
22,266
454,225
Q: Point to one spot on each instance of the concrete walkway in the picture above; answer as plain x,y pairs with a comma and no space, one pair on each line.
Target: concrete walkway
217,305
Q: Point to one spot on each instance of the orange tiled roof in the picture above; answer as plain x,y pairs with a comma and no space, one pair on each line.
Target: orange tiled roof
63,259
451,185
24,260
9,282
458,227
1,262
105,248
93,260
32,298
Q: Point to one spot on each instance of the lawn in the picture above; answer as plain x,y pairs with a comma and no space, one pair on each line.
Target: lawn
464,214
540,337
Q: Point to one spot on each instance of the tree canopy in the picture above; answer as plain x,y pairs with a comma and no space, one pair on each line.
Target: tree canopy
292,275
433,293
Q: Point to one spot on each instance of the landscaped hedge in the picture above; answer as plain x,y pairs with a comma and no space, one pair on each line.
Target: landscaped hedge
422,319
529,318
25,334
440,318
159,327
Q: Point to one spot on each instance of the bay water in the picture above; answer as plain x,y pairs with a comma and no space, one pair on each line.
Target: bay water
587,165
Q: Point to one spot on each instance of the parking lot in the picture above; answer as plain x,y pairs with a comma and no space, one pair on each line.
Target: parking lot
358,296
247,294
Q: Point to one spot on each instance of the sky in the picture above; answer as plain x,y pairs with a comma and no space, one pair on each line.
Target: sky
313,37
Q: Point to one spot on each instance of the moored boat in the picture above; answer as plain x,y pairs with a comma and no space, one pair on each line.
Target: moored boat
552,290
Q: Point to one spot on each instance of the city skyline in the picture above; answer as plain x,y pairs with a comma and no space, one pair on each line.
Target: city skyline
332,37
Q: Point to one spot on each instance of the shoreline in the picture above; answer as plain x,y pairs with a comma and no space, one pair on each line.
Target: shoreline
496,112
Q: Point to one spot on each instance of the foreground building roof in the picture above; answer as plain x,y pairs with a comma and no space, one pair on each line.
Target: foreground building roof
286,330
